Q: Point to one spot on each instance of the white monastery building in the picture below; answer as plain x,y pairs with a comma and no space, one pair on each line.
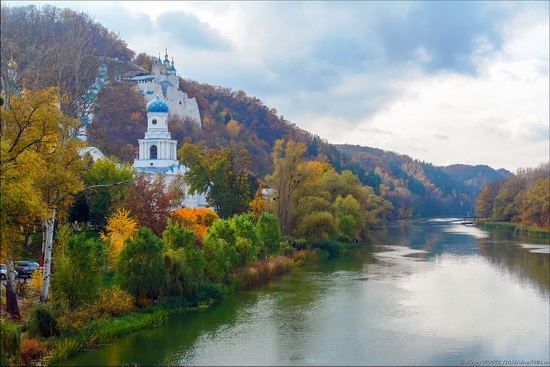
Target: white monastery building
164,82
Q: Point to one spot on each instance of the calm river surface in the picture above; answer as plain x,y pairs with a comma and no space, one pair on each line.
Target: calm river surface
431,292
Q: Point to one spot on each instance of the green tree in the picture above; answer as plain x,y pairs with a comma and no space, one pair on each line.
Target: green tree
317,226
270,234
184,259
76,276
141,270
222,176
108,184
177,236
349,216
248,242
220,250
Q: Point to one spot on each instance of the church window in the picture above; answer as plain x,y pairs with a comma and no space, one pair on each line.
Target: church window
153,152
154,122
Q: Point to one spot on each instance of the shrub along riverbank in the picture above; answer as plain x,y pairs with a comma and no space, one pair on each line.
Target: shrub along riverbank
531,231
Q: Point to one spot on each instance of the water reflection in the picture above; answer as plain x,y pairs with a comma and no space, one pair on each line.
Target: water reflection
461,298
518,260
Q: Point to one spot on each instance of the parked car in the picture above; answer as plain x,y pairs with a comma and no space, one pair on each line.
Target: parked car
4,272
25,268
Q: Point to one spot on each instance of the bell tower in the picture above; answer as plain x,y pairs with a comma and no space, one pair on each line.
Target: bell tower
157,149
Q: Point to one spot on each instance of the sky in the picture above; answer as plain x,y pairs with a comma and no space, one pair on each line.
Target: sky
463,82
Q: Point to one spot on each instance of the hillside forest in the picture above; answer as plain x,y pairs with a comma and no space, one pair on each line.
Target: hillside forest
120,241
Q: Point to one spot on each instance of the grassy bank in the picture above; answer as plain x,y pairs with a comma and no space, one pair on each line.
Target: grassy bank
103,331
531,231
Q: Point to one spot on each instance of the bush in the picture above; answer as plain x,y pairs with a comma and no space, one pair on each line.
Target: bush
115,302
333,247
9,340
209,292
303,257
42,321
297,243
32,349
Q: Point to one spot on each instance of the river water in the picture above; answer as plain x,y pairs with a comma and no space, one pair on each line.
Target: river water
431,292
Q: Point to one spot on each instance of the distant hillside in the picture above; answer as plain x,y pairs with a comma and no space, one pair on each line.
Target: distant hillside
475,177
418,188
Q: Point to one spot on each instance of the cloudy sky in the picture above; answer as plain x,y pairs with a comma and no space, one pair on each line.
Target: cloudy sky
444,82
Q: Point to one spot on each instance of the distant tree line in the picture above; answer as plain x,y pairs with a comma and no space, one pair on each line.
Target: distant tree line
523,198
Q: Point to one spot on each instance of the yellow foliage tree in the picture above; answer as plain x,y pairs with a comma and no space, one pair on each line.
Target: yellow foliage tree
120,227
40,172
233,128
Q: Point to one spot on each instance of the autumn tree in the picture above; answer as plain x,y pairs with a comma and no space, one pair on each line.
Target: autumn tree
117,126
521,198
151,202
58,183
40,172
536,207
144,61
285,179
196,219
120,228
259,202
503,207
486,200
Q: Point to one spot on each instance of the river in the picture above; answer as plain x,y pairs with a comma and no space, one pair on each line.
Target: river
428,292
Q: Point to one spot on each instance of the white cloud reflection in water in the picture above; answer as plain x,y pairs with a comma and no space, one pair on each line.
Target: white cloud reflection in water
466,298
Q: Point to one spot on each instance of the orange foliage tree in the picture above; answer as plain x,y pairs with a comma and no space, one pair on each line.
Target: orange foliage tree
259,203
196,219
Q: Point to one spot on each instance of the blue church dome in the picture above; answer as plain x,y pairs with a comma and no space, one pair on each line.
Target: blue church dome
157,105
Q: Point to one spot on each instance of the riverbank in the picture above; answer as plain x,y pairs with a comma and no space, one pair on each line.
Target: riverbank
530,231
86,332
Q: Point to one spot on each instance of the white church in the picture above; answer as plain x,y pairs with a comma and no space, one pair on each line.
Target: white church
158,151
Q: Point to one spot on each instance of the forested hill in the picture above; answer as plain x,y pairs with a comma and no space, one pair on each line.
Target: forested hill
63,48
418,188
475,176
